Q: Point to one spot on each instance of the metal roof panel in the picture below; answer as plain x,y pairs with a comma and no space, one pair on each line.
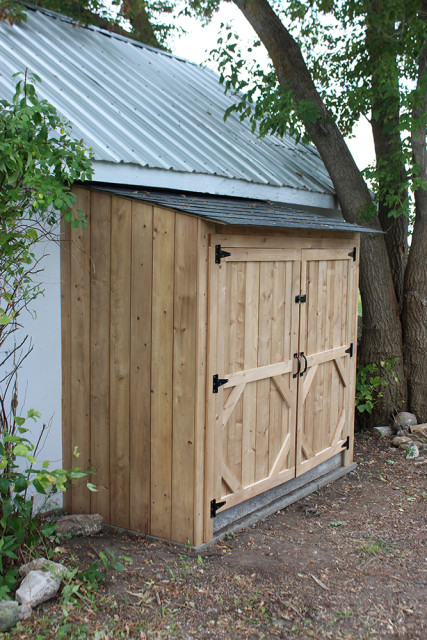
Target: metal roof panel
137,105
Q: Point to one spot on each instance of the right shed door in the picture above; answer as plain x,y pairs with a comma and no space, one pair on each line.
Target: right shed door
272,419
327,319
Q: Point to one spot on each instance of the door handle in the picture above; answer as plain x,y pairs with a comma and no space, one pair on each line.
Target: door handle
306,363
299,365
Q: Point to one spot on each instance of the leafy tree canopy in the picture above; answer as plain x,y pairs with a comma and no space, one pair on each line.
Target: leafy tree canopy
139,19
363,57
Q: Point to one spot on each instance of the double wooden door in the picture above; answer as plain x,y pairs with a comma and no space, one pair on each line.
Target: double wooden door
281,333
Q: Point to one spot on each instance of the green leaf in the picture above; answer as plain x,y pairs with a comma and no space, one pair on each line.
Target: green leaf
48,529
21,450
38,486
4,485
21,484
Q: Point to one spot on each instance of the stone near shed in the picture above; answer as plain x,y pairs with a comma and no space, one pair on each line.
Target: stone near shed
412,452
37,587
383,431
80,524
404,420
401,440
419,429
9,614
25,611
42,564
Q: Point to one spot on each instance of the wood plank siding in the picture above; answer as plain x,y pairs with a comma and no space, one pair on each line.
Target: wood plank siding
149,317
273,419
130,335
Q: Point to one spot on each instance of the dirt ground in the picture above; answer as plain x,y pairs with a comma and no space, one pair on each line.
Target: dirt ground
348,562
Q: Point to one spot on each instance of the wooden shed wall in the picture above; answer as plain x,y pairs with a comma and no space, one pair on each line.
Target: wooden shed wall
134,345
138,351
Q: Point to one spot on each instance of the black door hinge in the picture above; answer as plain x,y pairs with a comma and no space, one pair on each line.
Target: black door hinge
217,382
353,254
215,506
220,253
301,298
346,444
350,350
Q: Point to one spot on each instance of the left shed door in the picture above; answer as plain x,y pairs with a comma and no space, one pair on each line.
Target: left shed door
255,334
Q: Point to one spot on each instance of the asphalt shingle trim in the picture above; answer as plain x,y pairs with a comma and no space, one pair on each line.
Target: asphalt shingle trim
239,211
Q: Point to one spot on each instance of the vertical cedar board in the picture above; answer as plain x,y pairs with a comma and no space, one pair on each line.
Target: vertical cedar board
120,360
100,230
201,373
354,290
184,377
250,361
66,352
263,434
140,368
80,344
161,372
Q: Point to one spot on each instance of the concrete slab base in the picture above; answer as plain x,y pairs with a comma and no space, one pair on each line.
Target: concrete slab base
270,502
251,511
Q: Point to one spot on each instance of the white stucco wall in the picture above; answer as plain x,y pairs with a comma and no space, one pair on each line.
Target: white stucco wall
39,380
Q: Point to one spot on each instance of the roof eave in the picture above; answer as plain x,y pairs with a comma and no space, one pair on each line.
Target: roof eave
132,174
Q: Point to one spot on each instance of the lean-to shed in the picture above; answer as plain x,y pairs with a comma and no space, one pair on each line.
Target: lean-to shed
208,356
208,309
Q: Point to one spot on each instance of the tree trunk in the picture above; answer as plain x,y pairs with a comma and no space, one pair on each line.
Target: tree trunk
392,176
382,333
415,296
142,29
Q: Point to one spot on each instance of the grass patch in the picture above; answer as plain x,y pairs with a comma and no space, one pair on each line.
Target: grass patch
375,547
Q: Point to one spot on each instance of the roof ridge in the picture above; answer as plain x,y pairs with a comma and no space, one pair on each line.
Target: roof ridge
105,32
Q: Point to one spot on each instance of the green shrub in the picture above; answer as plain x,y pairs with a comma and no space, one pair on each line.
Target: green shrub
22,531
370,380
39,161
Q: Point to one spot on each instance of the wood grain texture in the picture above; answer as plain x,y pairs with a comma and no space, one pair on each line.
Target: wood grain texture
80,348
148,318
184,376
324,393
67,462
263,424
201,377
351,366
100,225
211,399
140,367
120,346
250,361
290,239
161,372
217,399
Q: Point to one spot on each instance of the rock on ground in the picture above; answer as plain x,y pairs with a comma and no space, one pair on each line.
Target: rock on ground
11,612
401,440
412,451
80,524
383,431
37,587
404,420
42,564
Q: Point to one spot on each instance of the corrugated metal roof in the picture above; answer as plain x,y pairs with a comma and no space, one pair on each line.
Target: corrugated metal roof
138,106
239,211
